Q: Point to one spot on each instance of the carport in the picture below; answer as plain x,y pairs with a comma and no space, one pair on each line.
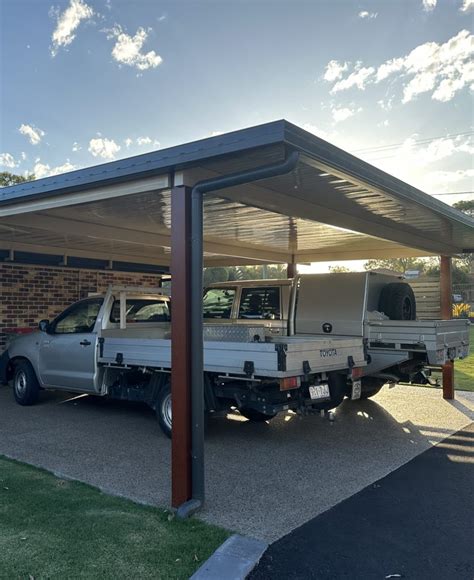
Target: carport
267,194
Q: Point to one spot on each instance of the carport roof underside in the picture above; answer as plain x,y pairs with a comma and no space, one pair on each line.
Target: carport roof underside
331,206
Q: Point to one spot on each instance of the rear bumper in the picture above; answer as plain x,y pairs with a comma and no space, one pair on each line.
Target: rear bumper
4,365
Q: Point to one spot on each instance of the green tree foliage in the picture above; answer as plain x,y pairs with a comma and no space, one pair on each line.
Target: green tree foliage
336,269
7,178
397,264
466,206
221,274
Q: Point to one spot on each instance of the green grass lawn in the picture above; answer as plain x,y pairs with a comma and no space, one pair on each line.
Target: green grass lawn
464,369
54,528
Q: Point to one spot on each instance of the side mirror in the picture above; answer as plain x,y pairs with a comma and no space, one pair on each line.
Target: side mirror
43,325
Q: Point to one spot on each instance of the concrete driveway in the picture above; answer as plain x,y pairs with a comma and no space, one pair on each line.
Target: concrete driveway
262,480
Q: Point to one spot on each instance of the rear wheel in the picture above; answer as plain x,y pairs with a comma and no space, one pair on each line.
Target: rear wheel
370,387
163,410
256,416
25,383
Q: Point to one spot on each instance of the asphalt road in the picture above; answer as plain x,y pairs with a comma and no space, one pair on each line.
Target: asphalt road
416,523
262,480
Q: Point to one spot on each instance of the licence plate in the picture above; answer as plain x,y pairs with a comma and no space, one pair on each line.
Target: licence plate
319,392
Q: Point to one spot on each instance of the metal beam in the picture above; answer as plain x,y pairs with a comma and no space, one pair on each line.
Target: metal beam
446,287
99,193
181,462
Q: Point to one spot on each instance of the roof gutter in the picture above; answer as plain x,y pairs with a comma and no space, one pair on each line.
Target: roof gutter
197,372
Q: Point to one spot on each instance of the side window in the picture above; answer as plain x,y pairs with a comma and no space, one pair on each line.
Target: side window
142,310
260,302
217,302
78,318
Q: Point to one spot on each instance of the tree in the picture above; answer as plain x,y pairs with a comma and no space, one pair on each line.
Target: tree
7,178
223,274
336,269
466,206
397,264
460,272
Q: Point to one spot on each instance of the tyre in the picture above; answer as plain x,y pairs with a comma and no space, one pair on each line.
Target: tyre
337,389
256,416
370,387
25,383
163,410
397,301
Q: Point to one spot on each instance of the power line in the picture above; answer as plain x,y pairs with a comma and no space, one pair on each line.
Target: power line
382,148
454,193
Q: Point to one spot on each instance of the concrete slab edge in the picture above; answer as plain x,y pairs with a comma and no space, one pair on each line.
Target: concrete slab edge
233,560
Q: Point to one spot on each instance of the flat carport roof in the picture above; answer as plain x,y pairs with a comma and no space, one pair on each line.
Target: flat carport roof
272,193
330,206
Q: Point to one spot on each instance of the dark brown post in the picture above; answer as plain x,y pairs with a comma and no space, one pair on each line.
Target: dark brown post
181,460
291,270
446,314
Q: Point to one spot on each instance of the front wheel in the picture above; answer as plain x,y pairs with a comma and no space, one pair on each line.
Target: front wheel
163,410
25,384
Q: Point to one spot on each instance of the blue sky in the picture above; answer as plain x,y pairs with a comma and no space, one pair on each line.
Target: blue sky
87,81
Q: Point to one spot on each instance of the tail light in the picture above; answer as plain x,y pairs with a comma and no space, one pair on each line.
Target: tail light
357,373
290,383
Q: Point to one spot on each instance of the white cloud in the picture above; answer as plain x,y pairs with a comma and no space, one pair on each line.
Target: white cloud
467,5
369,15
334,70
387,68
127,49
421,83
443,181
358,78
44,170
23,155
429,5
141,142
440,69
343,113
76,146
102,147
33,133
7,160
67,24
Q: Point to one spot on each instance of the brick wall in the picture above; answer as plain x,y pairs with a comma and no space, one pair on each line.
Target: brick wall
31,293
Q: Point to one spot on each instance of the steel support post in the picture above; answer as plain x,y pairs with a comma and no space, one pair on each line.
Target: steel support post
181,463
446,314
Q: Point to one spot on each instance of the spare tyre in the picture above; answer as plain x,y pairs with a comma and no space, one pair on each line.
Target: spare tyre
397,301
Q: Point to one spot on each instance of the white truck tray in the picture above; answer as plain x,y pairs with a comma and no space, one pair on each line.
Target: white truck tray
278,358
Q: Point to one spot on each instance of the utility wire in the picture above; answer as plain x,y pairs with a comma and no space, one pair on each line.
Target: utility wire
454,193
415,142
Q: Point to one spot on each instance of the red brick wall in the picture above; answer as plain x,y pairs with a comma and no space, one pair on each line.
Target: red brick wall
31,293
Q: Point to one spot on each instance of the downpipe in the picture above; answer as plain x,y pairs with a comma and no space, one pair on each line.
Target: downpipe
197,371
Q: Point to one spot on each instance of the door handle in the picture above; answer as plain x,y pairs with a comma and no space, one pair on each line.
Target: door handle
85,342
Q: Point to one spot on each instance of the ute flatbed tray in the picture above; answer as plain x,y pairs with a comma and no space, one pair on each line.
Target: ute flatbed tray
276,357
